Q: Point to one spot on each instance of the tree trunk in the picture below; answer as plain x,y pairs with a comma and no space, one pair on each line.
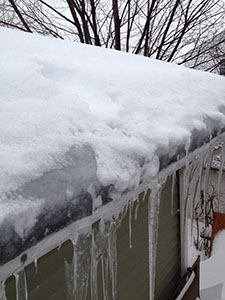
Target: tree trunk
116,24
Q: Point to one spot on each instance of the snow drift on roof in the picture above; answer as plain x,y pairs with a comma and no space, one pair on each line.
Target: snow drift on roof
125,111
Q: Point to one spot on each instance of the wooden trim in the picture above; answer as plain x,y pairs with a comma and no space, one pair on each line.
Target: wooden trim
193,291
218,224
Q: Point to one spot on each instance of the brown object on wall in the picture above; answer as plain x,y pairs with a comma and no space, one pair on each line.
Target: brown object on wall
193,291
218,224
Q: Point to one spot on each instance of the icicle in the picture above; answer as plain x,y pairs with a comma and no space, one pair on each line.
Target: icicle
136,209
220,173
172,192
21,286
77,287
153,217
190,174
59,247
94,269
94,249
186,187
104,251
195,194
130,225
104,266
199,187
208,163
113,258
125,210
69,279
201,167
187,146
104,280
106,276
36,266
2,291
206,177
36,271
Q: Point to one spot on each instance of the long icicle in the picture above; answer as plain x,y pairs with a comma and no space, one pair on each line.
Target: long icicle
136,208
113,258
2,291
172,192
186,187
196,188
21,286
80,266
220,173
153,217
208,164
94,269
130,225
36,266
69,280
104,277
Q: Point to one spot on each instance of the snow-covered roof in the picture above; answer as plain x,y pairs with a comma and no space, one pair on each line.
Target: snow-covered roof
76,120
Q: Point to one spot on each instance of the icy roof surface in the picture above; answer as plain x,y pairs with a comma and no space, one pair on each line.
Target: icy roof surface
64,103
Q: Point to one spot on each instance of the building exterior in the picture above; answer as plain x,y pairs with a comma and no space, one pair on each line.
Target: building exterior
91,260
98,159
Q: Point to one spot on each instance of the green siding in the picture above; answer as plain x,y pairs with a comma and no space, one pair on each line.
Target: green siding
49,283
168,268
133,263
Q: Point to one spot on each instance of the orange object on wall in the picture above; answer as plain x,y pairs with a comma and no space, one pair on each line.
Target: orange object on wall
218,224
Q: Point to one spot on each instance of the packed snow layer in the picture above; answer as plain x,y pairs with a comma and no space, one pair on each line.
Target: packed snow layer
57,94
75,117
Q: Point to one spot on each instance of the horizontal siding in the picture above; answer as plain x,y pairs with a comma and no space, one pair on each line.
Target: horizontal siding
170,273
49,282
164,263
173,233
168,248
10,285
132,263
168,289
133,271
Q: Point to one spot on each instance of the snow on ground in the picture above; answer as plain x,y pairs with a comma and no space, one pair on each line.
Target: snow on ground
212,270
55,95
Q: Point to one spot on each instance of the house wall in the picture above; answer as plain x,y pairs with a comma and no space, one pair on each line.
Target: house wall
168,262
133,263
47,281
52,278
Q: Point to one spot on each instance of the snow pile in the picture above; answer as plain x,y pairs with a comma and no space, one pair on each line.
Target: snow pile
127,110
212,270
